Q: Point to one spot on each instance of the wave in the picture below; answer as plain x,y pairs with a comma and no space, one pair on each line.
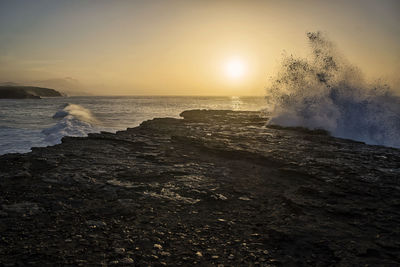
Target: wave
74,120
76,111
325,92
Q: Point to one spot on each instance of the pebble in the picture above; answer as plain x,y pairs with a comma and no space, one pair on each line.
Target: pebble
95,224
158,246
127,260
221,197
119,250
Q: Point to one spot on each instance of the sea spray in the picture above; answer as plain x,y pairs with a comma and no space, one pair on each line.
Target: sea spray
76,111
75,120
324,91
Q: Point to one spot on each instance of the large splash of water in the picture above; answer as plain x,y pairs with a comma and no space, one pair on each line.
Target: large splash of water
326,92
74,120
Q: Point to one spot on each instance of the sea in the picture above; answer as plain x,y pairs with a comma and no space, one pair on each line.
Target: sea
27,123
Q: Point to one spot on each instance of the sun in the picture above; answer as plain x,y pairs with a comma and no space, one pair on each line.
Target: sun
235,68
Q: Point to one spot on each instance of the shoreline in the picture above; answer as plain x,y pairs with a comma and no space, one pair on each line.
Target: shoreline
216,187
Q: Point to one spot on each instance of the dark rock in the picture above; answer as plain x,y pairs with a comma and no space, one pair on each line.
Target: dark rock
26,208
214,188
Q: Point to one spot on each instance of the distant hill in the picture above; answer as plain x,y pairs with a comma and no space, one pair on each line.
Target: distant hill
21,92
67,85
10,84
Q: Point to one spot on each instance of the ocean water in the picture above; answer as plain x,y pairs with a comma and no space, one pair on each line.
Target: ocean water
321,91
30,123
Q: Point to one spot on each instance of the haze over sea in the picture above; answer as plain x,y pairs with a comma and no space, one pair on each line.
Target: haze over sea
37,123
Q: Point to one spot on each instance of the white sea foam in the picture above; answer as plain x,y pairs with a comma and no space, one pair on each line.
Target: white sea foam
75,120
326,92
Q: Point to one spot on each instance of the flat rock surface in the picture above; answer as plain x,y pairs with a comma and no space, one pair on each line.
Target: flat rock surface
214,188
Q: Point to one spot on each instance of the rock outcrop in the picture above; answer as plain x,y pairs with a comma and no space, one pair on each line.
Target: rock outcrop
217,187
18,92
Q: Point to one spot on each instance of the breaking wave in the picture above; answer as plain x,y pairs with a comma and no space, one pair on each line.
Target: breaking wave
326,92
74,120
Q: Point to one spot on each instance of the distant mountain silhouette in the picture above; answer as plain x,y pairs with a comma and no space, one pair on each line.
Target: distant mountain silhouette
67,85
22,92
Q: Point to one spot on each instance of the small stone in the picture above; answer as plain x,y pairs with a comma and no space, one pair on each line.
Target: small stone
119,250
95,224
215,257
165,253
244,198
221,220
127,260
158,246
274,260
199,254
231,257
222,197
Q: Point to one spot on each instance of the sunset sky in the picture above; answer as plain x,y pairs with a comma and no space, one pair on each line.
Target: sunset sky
187,47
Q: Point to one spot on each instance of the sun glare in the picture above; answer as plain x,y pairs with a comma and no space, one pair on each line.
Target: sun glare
235,68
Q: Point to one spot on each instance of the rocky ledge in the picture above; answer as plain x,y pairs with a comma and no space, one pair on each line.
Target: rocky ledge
215,188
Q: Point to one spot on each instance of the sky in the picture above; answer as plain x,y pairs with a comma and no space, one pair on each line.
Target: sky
163,47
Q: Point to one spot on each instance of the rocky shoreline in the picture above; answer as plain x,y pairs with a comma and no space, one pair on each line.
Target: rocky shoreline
214,188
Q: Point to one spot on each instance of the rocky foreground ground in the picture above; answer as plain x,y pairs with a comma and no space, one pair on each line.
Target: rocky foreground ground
215,188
